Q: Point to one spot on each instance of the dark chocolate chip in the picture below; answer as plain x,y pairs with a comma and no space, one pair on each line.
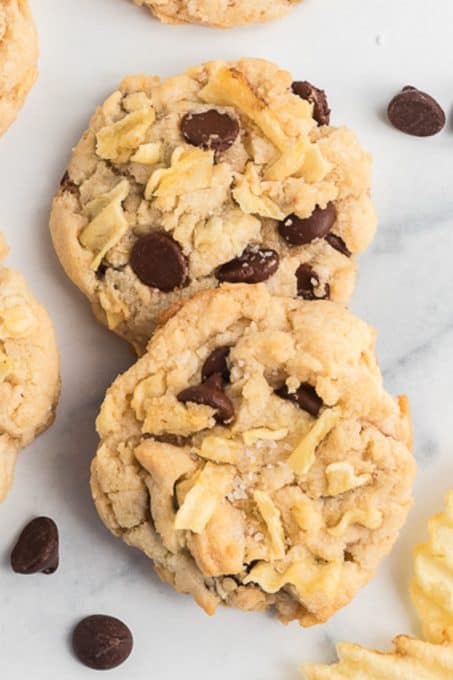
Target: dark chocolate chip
305,397
210,393
210,130
102,642
254,265
217,363
159,262
317,97
338,243
298,231
308,284
37,548
416,113
66,184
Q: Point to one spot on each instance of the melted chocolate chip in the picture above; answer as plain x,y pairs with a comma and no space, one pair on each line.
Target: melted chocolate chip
253,266
37,548
416,113
338,243
305,397
66,184
317,97
158,261
217,363
308,284
102,642
210,393
297,231
210,130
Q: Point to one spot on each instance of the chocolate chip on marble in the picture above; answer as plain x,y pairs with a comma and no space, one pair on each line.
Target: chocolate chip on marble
317,97
308,284
298,231
338,244
305,397
210,393
102,642
217,363
416,113
210,130
37,548
253,266
158,261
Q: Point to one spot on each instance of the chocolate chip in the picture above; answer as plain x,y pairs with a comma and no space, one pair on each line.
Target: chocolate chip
66,184
210,393
254,265
305,397
338,243
416,113
217,363
37,548
297,231
102,642
210,130
159,262
317,97
308,283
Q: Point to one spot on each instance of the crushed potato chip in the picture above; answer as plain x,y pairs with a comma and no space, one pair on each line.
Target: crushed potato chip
248,195
250,437
341,477
190,170
272,518
220,450
411,660
229,87
302,159
148,154
116,142
115,309
432,585
201,502
370,519
17,319
303,456
107,223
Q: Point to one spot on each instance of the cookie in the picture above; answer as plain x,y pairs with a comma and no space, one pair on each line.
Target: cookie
18,58
254,456
29,370
217,12
220,174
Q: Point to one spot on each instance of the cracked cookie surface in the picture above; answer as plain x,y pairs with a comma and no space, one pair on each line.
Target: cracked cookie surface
18,58
220,174
254,455
29,370
221,13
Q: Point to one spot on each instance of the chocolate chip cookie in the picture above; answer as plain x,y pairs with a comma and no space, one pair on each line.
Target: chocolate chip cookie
217,12
227,173
18,58
29,370
254,455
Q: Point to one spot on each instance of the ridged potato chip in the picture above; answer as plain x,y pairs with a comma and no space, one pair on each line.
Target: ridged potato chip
432,585
411,660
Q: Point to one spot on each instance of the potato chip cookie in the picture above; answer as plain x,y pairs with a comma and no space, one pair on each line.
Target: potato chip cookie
221,13
29,370
432,585
411,660
18,58
253,454
229,172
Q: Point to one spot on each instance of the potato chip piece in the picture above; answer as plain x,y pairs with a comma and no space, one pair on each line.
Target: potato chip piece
302,159
303,456
200,504
248,195
370,519
229,87
341,477
220,450
190,170
272,518
148,154
108,223
116,142
432,585
411,660
263,434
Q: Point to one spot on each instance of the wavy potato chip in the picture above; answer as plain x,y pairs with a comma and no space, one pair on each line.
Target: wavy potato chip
411,660
432,586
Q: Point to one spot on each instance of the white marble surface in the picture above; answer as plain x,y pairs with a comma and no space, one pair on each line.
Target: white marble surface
361,51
